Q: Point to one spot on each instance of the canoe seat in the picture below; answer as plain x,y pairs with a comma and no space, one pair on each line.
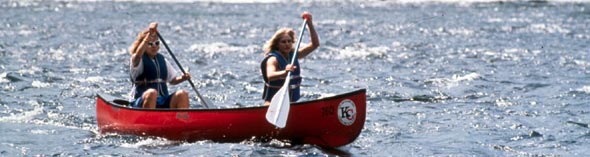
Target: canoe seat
121,102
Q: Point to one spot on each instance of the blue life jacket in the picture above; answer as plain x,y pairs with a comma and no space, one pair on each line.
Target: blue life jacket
272,87
154,76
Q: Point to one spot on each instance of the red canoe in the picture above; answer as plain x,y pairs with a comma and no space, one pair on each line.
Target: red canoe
327,122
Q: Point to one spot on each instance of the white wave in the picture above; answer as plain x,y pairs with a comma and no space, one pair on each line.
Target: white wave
548,28
504,102
23,116
461,31
32,70
454,81
250,88
211,49
25,32
578,62
39,84
3,77
78,70
94,79
358,51
150,142
509,54
58,54
512,19
468,77
42,131
338,22
585,89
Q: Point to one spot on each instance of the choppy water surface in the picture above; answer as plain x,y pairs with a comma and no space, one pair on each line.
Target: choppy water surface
482,79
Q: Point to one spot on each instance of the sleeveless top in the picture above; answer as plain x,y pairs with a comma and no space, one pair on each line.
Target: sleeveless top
272,87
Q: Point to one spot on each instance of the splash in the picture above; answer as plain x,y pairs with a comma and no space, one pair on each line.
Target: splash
468,77
149,142
24,116
39,84
585,89
454,81
3,77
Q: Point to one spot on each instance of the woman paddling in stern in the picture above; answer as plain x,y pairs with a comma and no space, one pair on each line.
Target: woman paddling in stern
151,72
276,64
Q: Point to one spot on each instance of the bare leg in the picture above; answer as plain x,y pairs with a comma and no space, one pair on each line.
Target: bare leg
266,103
179,99
150,97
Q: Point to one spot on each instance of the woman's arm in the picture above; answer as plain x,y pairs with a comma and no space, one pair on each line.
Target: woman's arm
172,77
140,45
272,69
181,78
315,41
138,48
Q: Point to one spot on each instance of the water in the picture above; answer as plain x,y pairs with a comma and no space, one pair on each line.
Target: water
442,78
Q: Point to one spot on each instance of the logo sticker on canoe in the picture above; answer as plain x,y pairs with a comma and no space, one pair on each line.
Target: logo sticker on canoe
347,112
182,115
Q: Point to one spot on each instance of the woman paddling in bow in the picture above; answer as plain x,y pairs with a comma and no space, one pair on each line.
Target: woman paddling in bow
151,72
276,64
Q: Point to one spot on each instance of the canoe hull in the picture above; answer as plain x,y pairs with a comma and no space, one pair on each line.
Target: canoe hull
327,122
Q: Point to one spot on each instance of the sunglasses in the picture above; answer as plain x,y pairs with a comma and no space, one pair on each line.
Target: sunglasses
157,43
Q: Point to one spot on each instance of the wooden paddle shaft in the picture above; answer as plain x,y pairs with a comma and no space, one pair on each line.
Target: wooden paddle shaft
182,69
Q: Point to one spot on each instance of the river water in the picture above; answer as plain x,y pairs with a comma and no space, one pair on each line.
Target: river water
489,78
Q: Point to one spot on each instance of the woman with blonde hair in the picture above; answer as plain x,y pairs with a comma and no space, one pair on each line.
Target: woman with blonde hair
276,64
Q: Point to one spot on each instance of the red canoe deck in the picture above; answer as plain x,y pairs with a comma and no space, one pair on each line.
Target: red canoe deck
327,122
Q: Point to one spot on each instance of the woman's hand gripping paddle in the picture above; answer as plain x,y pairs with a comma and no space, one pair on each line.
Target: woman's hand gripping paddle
278,111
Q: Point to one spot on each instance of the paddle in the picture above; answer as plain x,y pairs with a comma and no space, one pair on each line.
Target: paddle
278,111
203,101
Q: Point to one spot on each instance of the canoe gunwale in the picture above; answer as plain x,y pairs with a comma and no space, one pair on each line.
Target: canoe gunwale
111,103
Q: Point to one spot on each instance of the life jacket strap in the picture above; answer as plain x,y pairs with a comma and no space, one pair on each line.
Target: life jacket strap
145,82
293,86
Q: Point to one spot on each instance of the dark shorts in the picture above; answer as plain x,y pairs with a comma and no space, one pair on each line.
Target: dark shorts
161,102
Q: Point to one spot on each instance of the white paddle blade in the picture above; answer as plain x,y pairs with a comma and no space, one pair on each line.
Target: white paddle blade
278,111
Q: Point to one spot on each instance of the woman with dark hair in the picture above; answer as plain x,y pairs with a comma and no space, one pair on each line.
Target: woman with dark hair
151,72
